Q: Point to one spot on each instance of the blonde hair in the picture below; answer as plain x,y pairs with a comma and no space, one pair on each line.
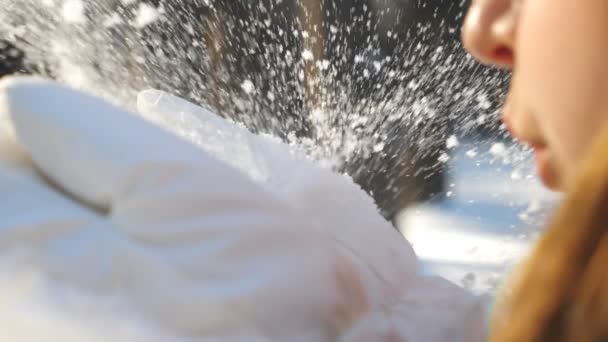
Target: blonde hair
561,293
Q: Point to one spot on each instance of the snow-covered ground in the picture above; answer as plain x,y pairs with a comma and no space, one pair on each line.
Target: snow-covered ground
486,222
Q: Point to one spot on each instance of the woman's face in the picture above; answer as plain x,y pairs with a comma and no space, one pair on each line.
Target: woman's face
558,53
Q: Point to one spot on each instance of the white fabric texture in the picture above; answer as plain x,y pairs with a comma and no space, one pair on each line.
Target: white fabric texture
198,230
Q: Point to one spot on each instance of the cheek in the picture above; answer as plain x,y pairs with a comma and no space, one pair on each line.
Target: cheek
562,62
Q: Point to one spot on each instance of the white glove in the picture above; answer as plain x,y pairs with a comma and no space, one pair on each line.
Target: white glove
102,203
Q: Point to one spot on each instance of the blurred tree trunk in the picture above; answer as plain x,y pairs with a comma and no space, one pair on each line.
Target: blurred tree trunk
313,36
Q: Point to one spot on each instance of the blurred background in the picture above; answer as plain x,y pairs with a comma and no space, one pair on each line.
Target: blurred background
379,89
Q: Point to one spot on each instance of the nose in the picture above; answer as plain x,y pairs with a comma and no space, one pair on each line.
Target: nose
489,31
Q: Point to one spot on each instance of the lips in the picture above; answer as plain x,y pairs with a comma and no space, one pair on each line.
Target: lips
537,147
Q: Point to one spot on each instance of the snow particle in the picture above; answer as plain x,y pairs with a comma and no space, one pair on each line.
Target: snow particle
377,66
516,175
146,15
443,158
248,87
452,142
498,150
72,12
307,55
323,65
379,147
483,102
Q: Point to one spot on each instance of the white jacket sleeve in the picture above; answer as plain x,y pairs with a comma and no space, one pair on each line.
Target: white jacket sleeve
196,246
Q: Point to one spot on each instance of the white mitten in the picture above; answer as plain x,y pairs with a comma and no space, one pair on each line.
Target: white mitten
104,203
